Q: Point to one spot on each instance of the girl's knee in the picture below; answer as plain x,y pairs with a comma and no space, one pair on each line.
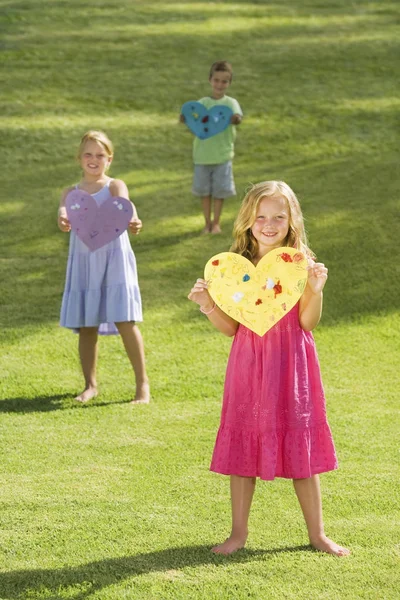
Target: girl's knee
123,326
88,331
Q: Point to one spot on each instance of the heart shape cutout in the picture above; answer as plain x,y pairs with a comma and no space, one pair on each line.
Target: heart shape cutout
96,225
204,122
258,297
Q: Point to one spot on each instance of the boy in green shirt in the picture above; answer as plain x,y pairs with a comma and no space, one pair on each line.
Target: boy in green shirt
212,157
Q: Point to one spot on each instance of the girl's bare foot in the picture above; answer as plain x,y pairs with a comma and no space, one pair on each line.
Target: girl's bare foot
87,394
216,228
206,230
324,544
229,546
142,395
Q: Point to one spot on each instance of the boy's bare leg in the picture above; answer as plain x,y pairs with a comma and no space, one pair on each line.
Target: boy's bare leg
206,206
215,227
88,350
134,347
309,495
242,490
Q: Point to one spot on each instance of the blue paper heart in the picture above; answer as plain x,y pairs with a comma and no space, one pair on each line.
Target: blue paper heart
205,123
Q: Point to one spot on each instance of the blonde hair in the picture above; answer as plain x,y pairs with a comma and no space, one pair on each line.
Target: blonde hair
244,241
99,137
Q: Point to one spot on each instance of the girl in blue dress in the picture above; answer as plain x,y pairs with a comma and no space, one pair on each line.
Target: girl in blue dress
101,294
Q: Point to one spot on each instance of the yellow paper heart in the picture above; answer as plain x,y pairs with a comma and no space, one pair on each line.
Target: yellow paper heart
258,297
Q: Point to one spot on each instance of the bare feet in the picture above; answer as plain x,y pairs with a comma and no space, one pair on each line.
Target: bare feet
231,545
216,228
206,230
324,544
87,394
142,395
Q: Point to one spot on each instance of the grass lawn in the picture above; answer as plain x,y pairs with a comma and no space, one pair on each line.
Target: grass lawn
113,502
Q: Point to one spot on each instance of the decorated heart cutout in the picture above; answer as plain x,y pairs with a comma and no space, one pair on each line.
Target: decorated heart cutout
204,122
96,225
258,297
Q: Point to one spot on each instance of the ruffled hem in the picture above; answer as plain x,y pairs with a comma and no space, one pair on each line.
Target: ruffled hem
103,329
291,454
101,308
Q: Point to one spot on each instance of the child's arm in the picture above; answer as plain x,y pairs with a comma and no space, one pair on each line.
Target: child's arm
237,116
218,318
311,301
118,188
62,221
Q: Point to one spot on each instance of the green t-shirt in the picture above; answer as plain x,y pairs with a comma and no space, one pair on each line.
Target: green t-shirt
218,148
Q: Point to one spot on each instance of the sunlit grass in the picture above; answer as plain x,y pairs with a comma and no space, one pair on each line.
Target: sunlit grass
109,502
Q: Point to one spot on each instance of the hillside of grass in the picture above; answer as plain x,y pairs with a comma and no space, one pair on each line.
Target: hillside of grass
107,501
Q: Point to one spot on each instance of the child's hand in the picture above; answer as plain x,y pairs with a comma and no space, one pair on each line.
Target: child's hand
135,225
317,276
236,119
200,295
63,223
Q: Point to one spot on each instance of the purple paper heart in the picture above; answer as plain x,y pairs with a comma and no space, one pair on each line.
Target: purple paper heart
95,225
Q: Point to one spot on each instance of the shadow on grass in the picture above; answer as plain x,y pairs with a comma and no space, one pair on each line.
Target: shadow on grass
49,403
97,575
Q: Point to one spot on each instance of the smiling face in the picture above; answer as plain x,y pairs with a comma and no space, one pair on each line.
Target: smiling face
220,81
94,159
271,226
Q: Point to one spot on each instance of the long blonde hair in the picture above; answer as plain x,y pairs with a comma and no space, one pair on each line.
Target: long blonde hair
244,241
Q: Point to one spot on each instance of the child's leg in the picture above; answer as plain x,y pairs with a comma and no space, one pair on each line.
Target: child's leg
309,495
215,228
223,186
206,205
134,347
242,490
88,355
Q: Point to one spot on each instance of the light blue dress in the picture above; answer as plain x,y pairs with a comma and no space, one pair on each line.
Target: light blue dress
101,287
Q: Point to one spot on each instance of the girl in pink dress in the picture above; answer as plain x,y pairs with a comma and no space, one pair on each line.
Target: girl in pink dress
273,421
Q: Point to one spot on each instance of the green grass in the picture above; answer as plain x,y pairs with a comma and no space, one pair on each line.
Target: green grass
107,501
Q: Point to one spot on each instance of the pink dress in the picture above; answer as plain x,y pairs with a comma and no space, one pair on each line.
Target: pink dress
273,421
